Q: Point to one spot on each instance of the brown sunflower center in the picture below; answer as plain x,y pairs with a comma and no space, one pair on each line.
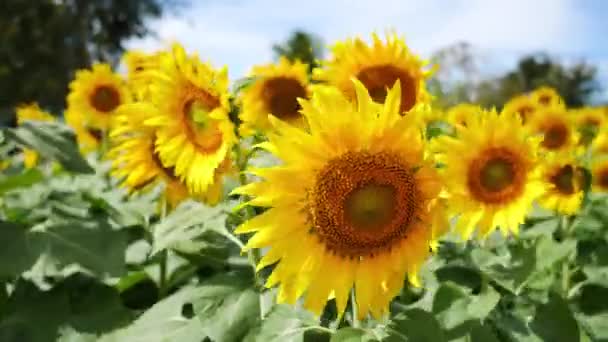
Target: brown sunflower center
496,176
544,99
280,95
105,98
555,135
525,112
201,129
563,180
363,203
602,176
379,78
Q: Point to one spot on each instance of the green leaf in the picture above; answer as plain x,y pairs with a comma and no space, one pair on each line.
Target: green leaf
415,325
511,271
542,228
227,307
52,140
352,335
19,254
453,307
22,180
593,299
163,322
596,325
549,251
286,323
80,302
188,229
461,275
482,333
554,321
93,245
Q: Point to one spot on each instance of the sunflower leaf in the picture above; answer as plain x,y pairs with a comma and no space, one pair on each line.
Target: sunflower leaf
52,140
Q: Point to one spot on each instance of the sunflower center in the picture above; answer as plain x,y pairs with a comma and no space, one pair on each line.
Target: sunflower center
603,178
105,98
496,176
379,78
203,130
363,203
563,180
280,95
370,205
544,99
555,136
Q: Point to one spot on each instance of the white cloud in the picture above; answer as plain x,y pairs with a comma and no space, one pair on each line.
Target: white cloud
241,33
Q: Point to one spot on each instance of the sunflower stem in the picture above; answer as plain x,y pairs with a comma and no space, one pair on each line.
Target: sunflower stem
566,272
355,311
162,278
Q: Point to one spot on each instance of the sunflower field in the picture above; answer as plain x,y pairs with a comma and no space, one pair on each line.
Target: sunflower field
341,203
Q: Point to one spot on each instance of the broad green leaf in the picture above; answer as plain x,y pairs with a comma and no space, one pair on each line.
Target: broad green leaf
92,245
188,227
554,321
163,322
461,275
19,253
549,251
511,271
596,325
482,333
286,323
352,335
453,307
593,299
415,325
52,140
22,180
227,307
542,228
78,302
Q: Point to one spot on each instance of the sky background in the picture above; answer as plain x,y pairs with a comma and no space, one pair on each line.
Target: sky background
240,33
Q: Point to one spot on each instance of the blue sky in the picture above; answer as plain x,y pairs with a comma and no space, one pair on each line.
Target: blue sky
241,33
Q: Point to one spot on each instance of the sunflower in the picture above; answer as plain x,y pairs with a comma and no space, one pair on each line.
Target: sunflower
89,139
589,121
378,67
138,65
522,105
490,173
566,180
31,112
599,175
352,205
556,128
600,143
461,113
188,107
135,161
546,97
275,90
95,94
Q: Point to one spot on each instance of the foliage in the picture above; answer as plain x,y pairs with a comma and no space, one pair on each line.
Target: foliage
302,46
32,33
82,262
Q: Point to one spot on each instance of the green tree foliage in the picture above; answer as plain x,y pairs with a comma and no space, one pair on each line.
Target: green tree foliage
301,45
44,41
459,78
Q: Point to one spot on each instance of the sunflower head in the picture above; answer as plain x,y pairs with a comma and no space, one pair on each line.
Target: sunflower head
275,90
353,198
555,125
95,94
589,121
522,105
31,112
378,66
461,113
600,143
546,97
188,108
490,172
565,180
139,65
89,138
599,175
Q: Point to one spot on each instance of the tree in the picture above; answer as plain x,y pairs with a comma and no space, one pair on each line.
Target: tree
44,42
301,45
